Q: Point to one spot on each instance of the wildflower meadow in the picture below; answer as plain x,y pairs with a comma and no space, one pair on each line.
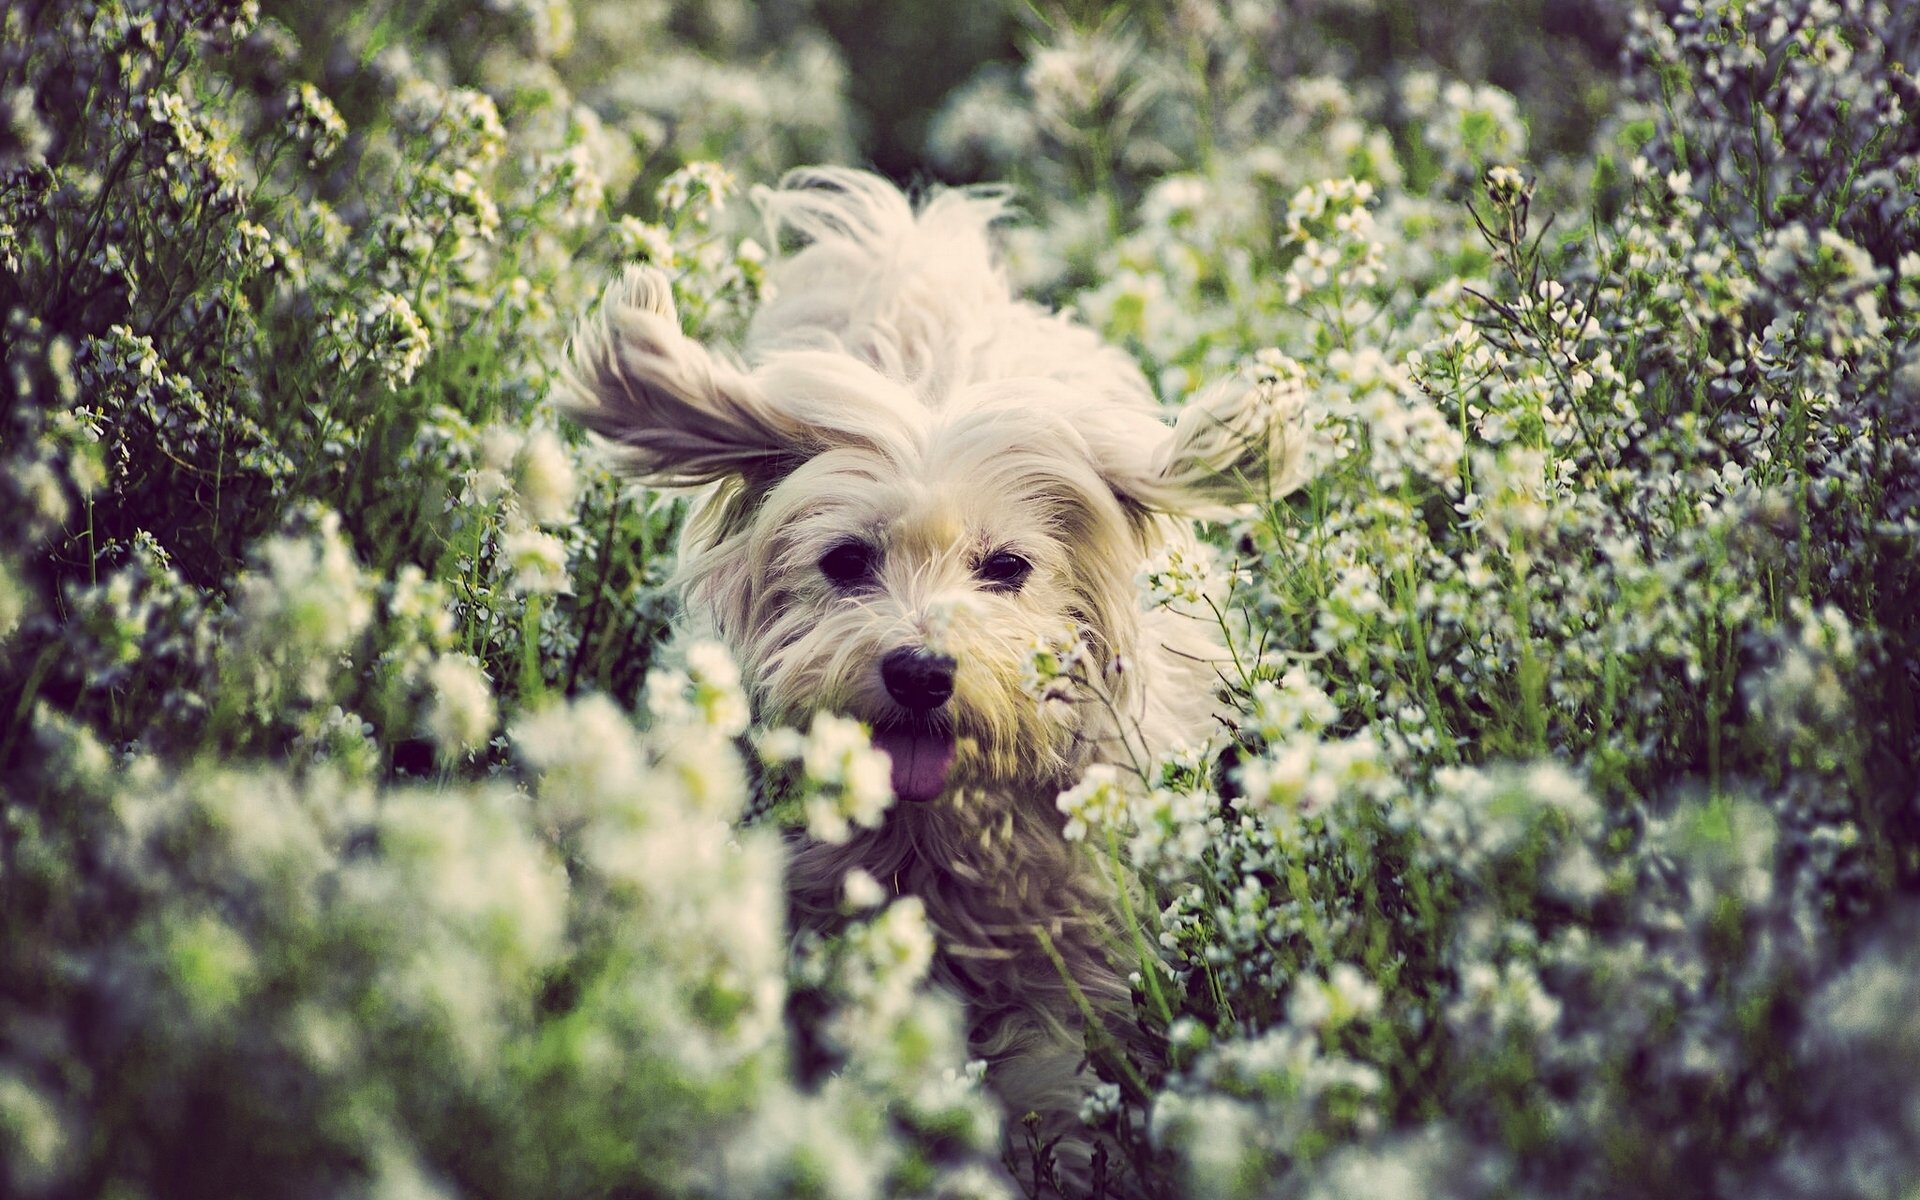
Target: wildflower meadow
363,832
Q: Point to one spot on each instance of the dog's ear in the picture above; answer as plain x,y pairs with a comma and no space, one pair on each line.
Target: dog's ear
1238,441
676,415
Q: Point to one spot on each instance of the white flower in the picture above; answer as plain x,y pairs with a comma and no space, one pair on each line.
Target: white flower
709,662
305,600
1355,995
645,242
861,890
312,119
36,1130
13,600
1098,801
983,122
697,191
1101,1102
1503,999
1187,578
1056,667
1505,185
20,124
850,782
805,1144
460,714
390,335
574,177
1308,1005
464,205
585,752
1217,1138
537,562
545,478
1290,706
469,861
894,950
717,697
462,125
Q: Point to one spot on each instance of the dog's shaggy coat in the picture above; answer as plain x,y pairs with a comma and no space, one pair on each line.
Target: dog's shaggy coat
913,479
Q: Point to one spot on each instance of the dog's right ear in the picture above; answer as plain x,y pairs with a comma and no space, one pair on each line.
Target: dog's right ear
1236,442
676,415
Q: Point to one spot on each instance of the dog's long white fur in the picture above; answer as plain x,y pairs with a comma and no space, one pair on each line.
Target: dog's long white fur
895,391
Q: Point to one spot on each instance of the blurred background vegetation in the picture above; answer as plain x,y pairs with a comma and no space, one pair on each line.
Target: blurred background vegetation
904,60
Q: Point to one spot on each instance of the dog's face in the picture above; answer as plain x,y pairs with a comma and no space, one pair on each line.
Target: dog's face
866,554
903,576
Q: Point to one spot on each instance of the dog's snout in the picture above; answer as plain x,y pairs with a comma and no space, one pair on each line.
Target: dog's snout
918,679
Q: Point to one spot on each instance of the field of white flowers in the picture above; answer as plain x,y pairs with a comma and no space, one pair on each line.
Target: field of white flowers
1561,836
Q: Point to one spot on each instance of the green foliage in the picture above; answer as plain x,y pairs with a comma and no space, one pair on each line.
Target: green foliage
1557,835
1615,502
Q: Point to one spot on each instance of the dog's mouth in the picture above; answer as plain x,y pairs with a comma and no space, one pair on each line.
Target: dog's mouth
922,753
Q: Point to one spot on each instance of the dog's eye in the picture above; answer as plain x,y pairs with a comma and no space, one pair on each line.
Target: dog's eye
1004,571
848,564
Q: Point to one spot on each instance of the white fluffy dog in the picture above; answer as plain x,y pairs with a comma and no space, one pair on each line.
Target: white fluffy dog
916,477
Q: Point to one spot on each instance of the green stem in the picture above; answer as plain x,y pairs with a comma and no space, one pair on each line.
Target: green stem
1149,963
531,683
41,666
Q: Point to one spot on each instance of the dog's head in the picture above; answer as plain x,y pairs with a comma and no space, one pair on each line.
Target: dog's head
867,553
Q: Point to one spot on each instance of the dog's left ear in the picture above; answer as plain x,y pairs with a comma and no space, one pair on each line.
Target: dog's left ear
1237,441
677,416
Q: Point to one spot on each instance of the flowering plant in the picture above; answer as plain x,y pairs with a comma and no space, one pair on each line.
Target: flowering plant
1558,835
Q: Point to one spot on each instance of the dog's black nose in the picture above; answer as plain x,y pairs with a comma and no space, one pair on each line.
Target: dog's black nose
918,679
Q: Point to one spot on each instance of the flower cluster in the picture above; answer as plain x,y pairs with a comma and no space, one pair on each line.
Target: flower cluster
1572,662
844,782
361,829
1186,578
313,615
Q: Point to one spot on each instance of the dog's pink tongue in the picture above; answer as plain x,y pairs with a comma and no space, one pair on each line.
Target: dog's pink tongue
921,761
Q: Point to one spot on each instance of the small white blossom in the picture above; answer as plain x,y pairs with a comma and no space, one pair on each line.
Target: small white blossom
1098,801
536,562
1506,186
644,242
1055,669
388,334
13,600
313,120
696,192
1187,578
1101,1102
851,783
544,478
460,712
862,891
305,601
